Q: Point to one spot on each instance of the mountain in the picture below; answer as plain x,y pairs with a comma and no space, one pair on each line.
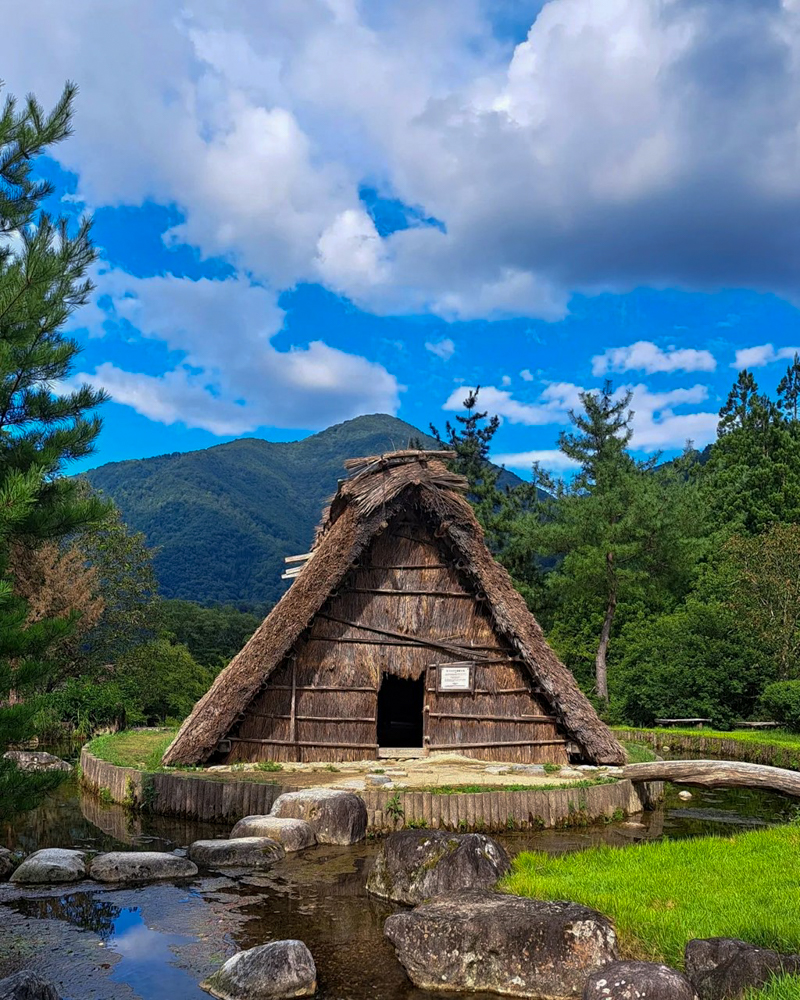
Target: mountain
222,519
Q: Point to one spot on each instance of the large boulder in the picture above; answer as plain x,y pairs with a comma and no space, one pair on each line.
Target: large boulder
336,817
53,864
723,968
292,834
479,940
27,986
8,862
637,980
277,969
140,866
414,865
36,760
241,852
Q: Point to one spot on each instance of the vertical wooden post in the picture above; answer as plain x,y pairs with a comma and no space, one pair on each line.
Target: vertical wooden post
425,712
293,719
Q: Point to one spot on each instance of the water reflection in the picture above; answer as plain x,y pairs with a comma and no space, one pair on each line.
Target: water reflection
161,940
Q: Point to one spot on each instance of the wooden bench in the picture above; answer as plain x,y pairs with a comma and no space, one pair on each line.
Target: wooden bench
690,723
757,725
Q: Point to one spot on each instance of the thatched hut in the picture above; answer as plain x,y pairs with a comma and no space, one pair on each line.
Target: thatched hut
402,631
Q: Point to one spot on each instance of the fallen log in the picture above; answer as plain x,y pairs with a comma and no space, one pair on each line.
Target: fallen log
716,774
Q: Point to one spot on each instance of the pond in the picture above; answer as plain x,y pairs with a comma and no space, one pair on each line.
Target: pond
158,941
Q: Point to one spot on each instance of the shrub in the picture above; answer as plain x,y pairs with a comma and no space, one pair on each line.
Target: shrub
781,702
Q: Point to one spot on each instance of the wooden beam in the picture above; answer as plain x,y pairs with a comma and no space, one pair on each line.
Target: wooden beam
493,718
338,718
454,649
415,645
299,687
289,743
385,592
498,743
716,774
486,690
293,723
302,558
419,566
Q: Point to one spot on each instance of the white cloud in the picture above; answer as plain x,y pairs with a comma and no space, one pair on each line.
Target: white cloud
526,375
656,424
230,378
548,458
764,354
505,380
648,357
621,143
443,349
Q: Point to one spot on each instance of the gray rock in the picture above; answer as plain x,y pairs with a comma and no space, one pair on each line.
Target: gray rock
528,768
27,986
637,980
140,866
8,862
292,834
241,852
498,769
479,940
36,760
569,772
722,968
376,780
274,970
415,865
336,817
53,864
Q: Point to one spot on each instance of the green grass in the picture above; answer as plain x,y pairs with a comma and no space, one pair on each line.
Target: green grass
142,749
781,988
638,753
660,895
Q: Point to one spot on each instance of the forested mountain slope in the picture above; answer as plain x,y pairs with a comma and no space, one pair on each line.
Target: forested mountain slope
224,518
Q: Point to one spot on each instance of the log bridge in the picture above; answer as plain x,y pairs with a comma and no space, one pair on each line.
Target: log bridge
716,774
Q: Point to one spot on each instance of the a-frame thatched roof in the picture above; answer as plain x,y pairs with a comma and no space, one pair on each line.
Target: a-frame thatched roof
380,488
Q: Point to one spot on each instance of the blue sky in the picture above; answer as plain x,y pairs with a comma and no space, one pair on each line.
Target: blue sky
313,209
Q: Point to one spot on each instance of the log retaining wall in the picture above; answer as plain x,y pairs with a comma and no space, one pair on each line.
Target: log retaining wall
719,747
190,797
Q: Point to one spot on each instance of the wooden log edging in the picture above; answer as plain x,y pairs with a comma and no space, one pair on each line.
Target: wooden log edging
192,797
719,747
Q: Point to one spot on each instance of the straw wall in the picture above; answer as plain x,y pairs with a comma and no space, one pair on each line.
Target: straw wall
321,702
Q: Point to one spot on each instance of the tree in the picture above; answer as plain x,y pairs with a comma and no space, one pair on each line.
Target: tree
43,268
621,530
471,442
789,391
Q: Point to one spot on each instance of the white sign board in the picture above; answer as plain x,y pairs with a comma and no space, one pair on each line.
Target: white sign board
456,678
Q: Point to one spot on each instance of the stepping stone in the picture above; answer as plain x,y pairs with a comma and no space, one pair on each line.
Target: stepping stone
291,834
27,986
336,817
239,852
53,864
280,969
7,862
140,866
476,940
637,981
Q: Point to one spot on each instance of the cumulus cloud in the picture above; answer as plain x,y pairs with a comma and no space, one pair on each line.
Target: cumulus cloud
648,357
656,424
548,458
230,378
620,143
526,375
764,354
443,349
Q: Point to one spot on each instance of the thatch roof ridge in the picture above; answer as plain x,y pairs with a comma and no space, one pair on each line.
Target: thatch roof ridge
362,507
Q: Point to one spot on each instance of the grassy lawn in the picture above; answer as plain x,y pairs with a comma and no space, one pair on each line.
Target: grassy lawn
661,895
782,988
142,749
786,745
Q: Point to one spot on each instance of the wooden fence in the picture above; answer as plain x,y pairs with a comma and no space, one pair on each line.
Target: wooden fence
191,797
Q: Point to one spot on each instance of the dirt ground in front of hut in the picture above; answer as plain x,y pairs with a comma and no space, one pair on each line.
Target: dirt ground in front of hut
435,770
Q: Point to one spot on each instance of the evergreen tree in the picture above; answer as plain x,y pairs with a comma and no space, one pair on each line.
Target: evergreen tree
789,391
470,438
43,268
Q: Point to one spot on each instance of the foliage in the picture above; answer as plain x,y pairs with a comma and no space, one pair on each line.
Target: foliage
660,895
43,268
780,702
212,635
23,790
160,682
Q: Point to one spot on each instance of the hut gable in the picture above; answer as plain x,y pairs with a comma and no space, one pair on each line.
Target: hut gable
400,585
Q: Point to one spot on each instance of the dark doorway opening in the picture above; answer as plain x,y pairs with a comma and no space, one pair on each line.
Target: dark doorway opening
400,704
